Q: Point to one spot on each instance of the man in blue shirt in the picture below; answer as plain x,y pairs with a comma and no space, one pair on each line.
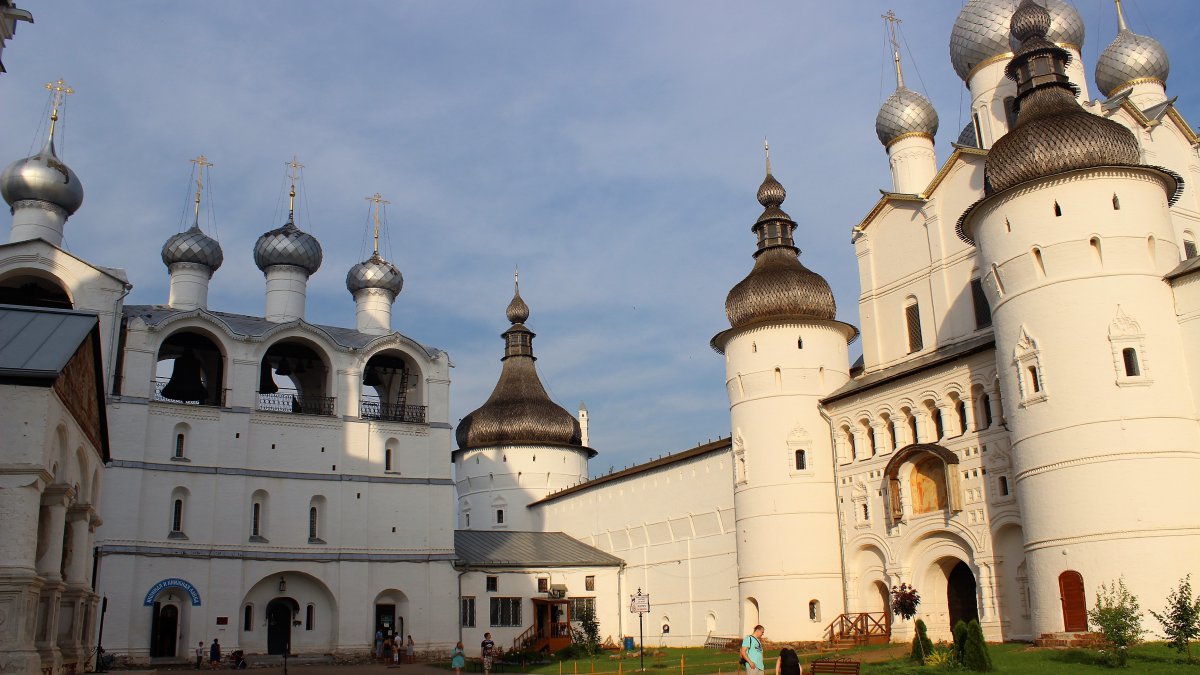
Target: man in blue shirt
752,651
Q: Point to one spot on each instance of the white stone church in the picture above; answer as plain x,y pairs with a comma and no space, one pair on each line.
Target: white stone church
1021,428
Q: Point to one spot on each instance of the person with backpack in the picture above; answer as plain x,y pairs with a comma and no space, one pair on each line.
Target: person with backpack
788,663
752,651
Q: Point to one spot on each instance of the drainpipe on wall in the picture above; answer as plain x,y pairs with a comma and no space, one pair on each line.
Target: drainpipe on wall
461,572
620,605
838,503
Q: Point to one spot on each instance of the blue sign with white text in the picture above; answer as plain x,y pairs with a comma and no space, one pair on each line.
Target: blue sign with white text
172,583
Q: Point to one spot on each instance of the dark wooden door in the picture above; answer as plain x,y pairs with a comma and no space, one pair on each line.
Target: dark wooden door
1074,604
165,630
279,627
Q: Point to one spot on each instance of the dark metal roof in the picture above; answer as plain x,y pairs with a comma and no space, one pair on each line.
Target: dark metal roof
527,549
256,327
718,445
1189,266
935,358
37,342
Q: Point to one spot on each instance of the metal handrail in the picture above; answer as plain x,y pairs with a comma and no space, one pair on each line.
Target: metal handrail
371,408
291,402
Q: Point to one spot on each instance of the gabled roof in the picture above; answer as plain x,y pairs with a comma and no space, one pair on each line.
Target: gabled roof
257,328
1189,266
1152,116
114,272
935,358
960,152
500,548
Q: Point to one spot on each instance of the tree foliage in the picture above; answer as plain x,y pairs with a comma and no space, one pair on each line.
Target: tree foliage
1119,618
975,654
1181,618
960,639
587,637
922,646
905,601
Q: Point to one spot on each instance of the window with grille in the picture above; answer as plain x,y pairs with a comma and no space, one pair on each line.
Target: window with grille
505,612
581,608
983,311
499,516
179,446
255,519
912,318
801,460
1189,249
312,522
466,612
177,516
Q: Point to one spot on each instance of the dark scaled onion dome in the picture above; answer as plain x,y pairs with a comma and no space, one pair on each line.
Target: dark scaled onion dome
778,286
193,246
1129,59
905,112
519,412
375,272
981,31
1052,133
288,245
44,178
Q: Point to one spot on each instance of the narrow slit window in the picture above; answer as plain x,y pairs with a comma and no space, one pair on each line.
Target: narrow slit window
961,410
179,446
866,511
1057,210
912,318
248,618
800,343
985,409
255,519
177,516
310,617
983,311
312,522
1116,202
801,460
1003,486
1129,355
499,516
1041,264
1035,385
387,459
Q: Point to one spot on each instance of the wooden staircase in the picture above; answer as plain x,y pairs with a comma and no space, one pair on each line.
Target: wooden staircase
544,638
863,628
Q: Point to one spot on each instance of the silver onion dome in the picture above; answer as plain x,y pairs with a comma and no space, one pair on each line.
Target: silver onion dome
981,31
193,246
288,245
967,136
905,112
44,178
375,272
1129,59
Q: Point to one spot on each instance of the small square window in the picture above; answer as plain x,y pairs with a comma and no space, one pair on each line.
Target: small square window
491,584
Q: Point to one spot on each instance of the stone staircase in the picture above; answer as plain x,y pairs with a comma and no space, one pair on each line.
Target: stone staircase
1069,640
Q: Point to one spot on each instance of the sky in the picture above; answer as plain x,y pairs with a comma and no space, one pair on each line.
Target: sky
610,149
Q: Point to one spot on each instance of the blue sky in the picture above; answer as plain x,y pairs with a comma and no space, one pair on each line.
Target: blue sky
610,149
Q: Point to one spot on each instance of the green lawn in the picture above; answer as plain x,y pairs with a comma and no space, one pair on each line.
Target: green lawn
1008,658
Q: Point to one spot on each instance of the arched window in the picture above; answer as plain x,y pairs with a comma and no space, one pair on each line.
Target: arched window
499,516
961,410
978,130
800,343
177,516
248,618
179,497
912,319
179,446
312,523
1129,355
985,411
387,459
256,519
1116,202
1097,254
814,610
801,460
310,616
1039,262
1057,210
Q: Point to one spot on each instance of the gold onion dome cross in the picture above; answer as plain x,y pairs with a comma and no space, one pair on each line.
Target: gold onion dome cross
201,163
58,90
379,202
294,167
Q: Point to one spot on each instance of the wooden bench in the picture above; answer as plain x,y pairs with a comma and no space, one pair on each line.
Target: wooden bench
840,666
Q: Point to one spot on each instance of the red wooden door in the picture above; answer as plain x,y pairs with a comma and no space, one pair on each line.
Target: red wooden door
1074,605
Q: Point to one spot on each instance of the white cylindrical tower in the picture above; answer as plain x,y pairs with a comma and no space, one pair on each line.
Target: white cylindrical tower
906,125
1105,439
192,256
519,446
980,49
42,192
783,352
287,256
374,283
1133,63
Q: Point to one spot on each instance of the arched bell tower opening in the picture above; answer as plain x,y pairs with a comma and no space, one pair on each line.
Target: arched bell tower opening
190,369
294,378
391,389
34,290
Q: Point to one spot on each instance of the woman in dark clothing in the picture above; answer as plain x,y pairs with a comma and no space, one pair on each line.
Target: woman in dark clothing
788,663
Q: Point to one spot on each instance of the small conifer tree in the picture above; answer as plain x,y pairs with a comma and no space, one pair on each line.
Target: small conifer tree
960,639
1181,618
975,652
922,646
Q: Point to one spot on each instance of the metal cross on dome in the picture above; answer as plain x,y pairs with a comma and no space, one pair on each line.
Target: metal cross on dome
201,163
379,202
57,91
294,167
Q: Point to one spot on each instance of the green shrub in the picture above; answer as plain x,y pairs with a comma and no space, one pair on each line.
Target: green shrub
1119,619
1181,618
975,651
960,639
922,645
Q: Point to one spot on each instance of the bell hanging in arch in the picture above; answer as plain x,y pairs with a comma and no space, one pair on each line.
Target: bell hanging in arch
187,380
266,383
371,378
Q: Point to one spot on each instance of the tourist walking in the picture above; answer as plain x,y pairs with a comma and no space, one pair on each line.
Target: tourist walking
485,652
752,652
410,651
214,655
458,659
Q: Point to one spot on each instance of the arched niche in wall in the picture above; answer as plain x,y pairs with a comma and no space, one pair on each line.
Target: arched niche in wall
932,473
